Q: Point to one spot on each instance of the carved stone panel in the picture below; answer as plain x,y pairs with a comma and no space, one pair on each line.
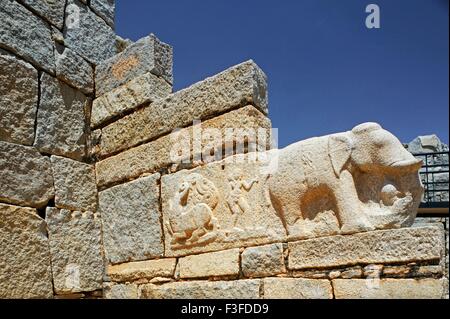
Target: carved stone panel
345,183
219,206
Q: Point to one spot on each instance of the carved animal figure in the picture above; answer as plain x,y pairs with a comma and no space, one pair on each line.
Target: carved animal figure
331,163
192,221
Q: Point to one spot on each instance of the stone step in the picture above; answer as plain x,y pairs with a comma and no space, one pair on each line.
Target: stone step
389,288
151,157
239,289
145,88
148,55
236,87
376,247
142,270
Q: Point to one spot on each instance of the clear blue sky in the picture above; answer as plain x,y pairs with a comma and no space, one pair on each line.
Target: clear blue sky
327,71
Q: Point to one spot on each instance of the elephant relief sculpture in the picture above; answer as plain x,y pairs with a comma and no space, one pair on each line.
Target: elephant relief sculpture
191,220
369,179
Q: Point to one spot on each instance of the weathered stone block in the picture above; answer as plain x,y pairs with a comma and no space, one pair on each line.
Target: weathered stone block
143,89
121,291
26,35
236,87
25,176
297,288
61,120
105,9
122,43
354,272
263,261
130,216
75,185
76,249
222,263
388,288
57,36
238,289
148,55
219,206
74,70
163,152
91,37
25,267
52,11
384,246
18,100
138,270
397,271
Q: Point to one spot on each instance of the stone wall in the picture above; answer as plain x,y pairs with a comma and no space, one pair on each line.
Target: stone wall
114,186
432,144
51,241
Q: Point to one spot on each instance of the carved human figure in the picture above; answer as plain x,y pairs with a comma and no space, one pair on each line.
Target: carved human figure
330,163
191,220
236,197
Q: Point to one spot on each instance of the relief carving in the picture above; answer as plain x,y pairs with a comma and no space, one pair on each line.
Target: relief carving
192,221
236,199
371,182
344,183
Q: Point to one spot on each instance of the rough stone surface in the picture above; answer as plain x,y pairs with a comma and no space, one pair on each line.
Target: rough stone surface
158,154
219,206
139,270
239,289
143,89
74,70
373,271
18,100
263,261
311,274
354,272
76,249
75,185
396,271
122,43
25,268
297,288
52,11
384,246
238,86
121,291
25,176
437,163
26,35
427,144
57,36
105,9
92,38
222,263
61,120
148,55
130,216
388,289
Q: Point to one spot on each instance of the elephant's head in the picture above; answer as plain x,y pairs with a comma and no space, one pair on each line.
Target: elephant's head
369,147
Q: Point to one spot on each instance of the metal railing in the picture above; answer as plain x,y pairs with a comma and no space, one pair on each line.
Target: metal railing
435,178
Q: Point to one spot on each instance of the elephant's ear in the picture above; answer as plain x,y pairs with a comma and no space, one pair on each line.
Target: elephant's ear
339,151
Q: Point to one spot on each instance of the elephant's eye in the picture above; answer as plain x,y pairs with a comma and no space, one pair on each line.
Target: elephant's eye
380,139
